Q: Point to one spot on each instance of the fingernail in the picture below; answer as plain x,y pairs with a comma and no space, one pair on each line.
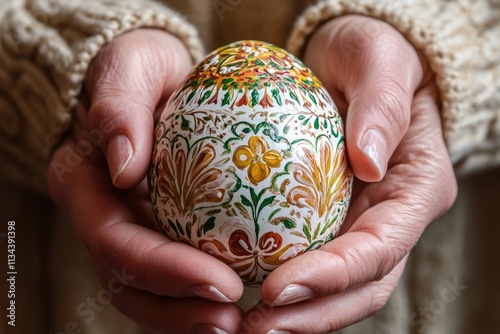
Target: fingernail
292,294
374,145
119,153
278,331
208,292
207,329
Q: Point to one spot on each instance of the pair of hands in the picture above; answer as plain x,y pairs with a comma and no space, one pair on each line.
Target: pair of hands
404,179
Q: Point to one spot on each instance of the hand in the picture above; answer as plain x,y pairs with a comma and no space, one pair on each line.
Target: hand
98,176
404,180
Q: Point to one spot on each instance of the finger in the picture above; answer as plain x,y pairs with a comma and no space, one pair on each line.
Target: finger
369,251
116,242
138,200
378,73
323,315
392,215
126,82
171,315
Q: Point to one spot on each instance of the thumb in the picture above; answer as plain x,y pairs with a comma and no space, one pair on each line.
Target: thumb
375,77
126,123
379,105
377,118
126,82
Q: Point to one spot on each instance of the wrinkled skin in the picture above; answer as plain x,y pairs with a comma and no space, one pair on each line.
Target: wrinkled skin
404,181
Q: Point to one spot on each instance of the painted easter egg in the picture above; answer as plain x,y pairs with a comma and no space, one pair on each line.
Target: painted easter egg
249,162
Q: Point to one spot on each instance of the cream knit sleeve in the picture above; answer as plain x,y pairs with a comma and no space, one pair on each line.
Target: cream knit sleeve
461,40
45,48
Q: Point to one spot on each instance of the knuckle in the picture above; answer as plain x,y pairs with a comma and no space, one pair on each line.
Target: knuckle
360,266
359,40
449,194
107,110
380,292
433,184
115,111
379,299
393,102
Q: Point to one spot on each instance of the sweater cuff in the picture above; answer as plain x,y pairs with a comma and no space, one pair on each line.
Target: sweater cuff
46,47
460,43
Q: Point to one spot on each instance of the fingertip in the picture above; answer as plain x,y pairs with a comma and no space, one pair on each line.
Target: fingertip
127,165
369,155
178,315
376,122
125,130
119,153
214,293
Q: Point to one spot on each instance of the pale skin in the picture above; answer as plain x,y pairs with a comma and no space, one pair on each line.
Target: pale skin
404,180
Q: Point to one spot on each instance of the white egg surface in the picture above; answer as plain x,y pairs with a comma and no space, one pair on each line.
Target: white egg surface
249,162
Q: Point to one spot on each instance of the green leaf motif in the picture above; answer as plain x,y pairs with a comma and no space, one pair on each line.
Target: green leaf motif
245,201
190,96
255,198
329,238
273,214
231,213
189,227
179,227
329,224
266,202
306,232
210,224
293,96
205,96
277,96
185,125
259,62
289,223
213,212
172,226
255,97
316,123
208,82
315,245
316,231
242,210
227,99
312,97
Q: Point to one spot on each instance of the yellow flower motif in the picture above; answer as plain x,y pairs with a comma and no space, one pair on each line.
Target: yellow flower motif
258,158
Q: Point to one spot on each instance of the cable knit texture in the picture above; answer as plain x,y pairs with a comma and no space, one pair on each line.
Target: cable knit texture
46,48
461,42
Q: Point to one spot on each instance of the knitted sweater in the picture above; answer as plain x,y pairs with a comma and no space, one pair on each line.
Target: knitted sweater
47,45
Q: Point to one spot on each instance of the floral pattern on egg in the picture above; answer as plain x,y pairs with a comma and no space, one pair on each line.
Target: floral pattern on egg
249,163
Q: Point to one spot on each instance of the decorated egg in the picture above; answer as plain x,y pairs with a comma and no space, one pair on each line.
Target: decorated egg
249,162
